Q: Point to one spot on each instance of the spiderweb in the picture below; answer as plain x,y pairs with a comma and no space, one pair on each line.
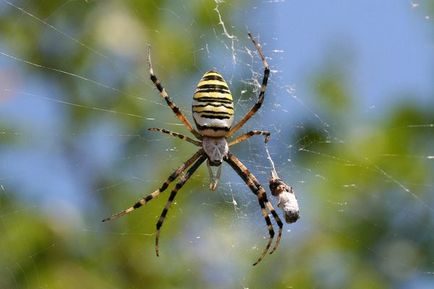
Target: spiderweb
351,131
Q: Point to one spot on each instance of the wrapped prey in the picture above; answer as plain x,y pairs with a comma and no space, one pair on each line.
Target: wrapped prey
286,198
285,195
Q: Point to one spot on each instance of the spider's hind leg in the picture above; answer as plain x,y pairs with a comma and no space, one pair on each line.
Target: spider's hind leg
170,103
261,96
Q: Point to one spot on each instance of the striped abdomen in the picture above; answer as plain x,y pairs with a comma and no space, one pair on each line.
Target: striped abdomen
213,109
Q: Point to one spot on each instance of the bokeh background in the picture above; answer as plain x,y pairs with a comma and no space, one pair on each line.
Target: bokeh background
350,106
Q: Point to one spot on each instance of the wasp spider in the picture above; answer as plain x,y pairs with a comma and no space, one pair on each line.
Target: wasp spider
213,114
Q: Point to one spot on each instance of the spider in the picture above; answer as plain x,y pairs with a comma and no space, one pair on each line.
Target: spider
213,112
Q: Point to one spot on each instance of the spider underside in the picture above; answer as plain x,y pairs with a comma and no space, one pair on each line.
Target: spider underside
213,116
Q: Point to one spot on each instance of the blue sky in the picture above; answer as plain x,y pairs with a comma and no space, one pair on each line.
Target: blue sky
388,46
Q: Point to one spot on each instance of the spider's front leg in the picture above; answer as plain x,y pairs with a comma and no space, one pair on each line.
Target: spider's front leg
172,196
259,191
154,194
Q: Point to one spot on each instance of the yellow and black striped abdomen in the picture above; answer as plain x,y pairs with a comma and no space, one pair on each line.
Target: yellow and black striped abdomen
213,108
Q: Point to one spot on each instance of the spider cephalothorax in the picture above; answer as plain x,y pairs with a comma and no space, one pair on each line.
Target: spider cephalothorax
216,149
213,112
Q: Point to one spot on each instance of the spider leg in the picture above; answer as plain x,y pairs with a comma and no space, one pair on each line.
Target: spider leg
259,191
275,216
249,134
169,102
172,196
260,100
154,194
175,134
273,213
